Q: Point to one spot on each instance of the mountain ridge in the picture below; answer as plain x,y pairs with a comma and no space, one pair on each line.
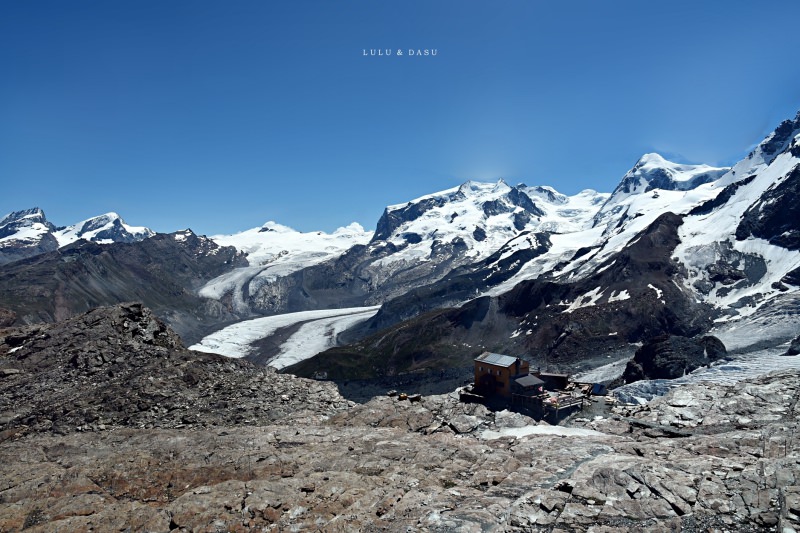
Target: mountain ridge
28,233
726,237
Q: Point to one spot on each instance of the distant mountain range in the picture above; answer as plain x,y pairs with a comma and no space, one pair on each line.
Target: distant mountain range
674,249
28,233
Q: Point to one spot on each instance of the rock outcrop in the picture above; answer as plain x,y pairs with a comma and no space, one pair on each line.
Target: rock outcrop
123,367
670,357
794,347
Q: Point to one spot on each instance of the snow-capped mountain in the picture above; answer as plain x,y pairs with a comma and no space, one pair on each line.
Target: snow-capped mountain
480,218
655,175
103,229
25,233
28,233
415,244
678,249
274,244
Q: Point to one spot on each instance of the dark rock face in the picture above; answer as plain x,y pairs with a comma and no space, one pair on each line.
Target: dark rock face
659,179
514,199
733,269
670,357
162,271
793,277
412,238
15,251
780,138
122,366
794,348
775,217
722,198
392,219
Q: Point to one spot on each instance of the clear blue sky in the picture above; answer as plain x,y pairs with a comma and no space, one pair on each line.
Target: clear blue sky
220,116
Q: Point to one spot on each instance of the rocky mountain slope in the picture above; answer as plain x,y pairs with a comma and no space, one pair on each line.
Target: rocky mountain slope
123,367
163,271
557,325
28,233
108,423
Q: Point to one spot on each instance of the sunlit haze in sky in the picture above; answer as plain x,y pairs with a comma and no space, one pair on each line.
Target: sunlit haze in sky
220,116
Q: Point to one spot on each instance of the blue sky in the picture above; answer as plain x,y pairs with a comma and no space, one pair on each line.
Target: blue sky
220,116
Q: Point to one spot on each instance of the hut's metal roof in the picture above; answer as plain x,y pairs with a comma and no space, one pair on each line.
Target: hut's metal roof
529,381
496,359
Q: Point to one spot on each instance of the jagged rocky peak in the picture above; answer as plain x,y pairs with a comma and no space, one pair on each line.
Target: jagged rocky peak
652,171
32,219
784,137
35,214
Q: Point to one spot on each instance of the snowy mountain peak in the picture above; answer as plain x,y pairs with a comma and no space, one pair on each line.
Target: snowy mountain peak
33,214
548,194
653,171
655,184
25,233
272,242
652,159
103,229
275,227
471,189
27,225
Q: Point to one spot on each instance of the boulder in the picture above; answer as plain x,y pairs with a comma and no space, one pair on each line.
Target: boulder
672,356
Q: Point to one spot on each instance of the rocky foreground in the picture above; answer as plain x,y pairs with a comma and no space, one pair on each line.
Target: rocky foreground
108,424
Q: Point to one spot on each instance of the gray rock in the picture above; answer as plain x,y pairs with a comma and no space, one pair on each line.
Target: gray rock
464,423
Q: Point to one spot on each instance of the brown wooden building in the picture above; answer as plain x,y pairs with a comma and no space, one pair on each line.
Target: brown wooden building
494,373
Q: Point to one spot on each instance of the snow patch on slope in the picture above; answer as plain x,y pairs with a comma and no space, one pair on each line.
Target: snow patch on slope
587,300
